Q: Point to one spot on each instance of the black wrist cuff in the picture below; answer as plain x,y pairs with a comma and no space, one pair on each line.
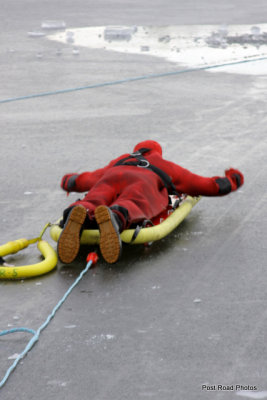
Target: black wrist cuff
238,180
224,185
71,182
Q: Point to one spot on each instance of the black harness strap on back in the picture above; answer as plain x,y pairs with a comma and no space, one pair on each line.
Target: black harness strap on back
142,162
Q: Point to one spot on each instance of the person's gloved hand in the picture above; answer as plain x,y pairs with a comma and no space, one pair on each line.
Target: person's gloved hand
232,181
235,177
68,182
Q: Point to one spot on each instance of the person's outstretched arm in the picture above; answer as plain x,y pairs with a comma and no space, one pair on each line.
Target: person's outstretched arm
196,185
84,181
81,182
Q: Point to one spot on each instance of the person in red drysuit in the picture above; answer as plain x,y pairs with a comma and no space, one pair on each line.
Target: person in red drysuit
130,189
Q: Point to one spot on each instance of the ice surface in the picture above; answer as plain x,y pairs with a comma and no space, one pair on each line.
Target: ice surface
215,337
119,33
252,395
36,34
70,37
5,264
145,48
97,339
53,25
75,51
57,383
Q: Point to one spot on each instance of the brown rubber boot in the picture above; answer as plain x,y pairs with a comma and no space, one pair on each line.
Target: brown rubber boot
110,241
69,241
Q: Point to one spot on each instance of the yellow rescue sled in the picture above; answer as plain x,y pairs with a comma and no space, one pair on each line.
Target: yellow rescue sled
162,226
145,235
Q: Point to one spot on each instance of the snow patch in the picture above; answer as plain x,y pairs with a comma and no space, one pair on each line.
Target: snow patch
97,339
192,46
13,357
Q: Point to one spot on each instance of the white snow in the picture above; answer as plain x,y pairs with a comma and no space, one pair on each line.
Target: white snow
13,357
192,46
98,339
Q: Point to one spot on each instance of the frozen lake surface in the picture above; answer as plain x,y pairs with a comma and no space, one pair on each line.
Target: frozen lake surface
191,309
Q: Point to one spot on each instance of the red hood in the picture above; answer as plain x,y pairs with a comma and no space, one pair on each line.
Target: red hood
149,144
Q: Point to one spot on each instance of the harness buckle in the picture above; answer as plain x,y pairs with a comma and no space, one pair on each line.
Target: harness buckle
143,164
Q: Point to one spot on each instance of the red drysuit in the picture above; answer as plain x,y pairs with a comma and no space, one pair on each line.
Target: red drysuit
141,191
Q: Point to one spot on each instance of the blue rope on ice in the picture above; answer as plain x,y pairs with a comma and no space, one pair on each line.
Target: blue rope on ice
36,334
131,79
13,330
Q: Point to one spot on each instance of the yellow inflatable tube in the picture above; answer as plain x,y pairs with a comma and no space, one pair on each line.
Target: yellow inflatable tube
145,235
158,232
27,271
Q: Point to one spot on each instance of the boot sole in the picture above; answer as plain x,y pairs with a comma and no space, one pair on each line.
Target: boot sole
110,241
69,241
